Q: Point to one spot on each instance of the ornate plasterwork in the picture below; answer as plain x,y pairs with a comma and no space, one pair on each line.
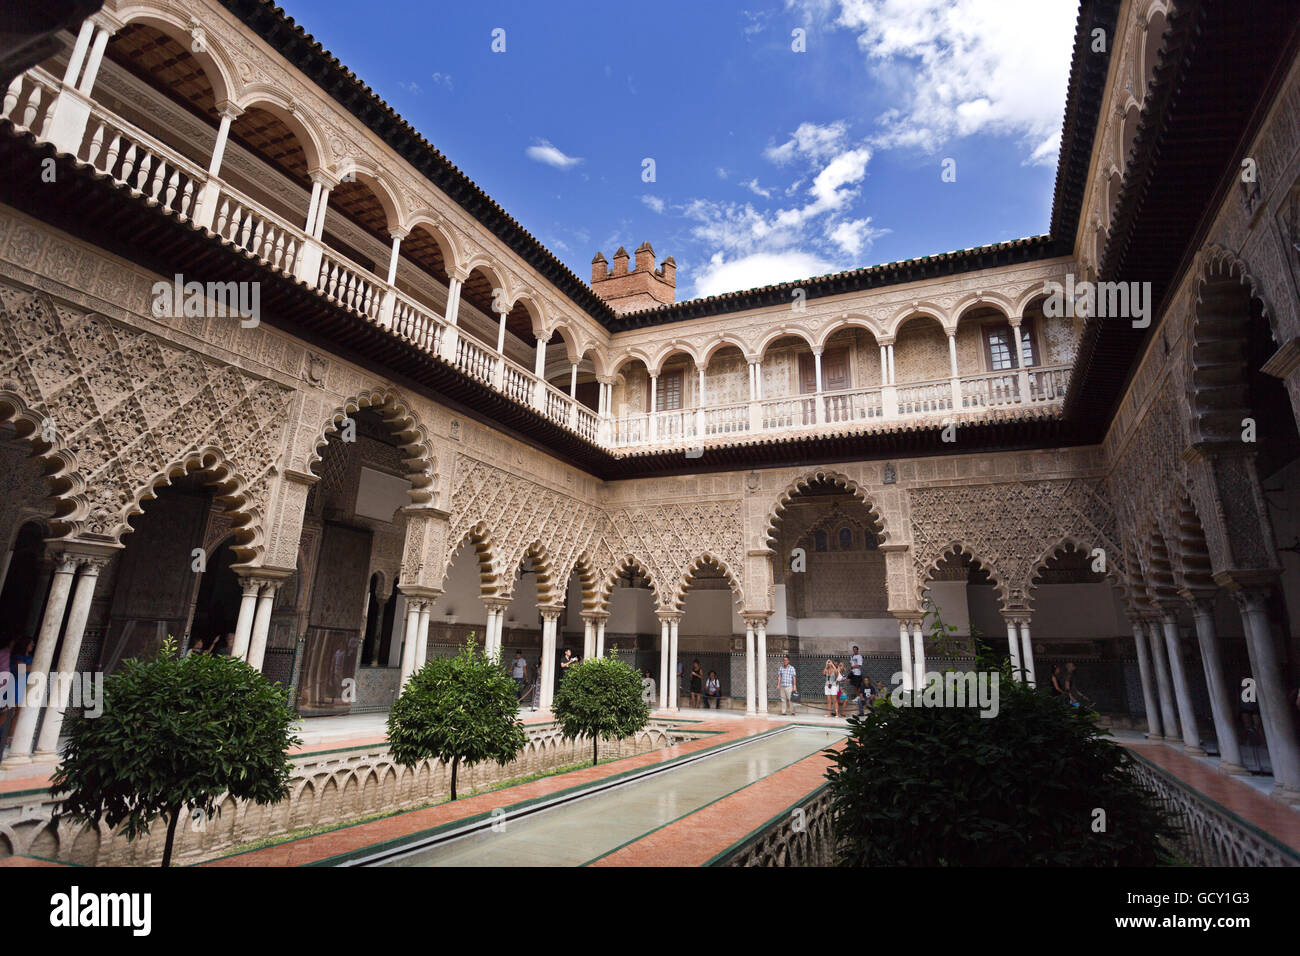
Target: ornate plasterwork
129,411
1011,528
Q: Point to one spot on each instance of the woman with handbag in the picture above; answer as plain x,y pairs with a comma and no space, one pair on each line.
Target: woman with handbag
832,689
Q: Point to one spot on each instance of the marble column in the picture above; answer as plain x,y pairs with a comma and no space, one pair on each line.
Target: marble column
24,736
411,636
674,695
262,624
750,673
1216,685
549,620
663,662
422,639
247,610
760,637
600,635
1182,688
918,654
87,575
1150,702
1275,704
1027,653
1013,642
905,654
1164,685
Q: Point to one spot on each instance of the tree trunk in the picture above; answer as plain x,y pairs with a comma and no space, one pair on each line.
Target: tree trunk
171,836
455,762
595,742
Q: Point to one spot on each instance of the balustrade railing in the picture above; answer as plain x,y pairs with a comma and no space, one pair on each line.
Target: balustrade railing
475,360
1048,384
925,398
517,384
783,413
726,419
29,102
348,285
852,406
416,324
246,225
990,390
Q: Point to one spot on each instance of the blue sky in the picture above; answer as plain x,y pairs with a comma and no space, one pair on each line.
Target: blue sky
770,164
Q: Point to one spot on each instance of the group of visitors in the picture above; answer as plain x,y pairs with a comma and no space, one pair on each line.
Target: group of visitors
1065,685
221,645
527,678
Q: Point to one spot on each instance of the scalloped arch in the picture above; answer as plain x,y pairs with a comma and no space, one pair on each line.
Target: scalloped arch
610,581
796,487
64,481
405,425
701,560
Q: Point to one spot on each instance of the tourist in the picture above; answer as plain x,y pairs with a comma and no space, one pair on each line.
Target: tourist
567,662
519,671
832,690
1077,697
647,688
855,668
1057,689
787,683
697,680
713,691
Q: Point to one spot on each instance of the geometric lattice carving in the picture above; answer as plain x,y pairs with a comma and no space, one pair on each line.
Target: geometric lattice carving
129,411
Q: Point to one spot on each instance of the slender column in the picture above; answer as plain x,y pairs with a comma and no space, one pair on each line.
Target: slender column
1182,691
905,654
1164,686
817,365
1027,656
884,365
819,402
918,654
1023,374
663,663
48,741
223,135
1225,727
549,619
952,352
1013,640
312,206
588,637
699,406
262,624
51,623
573,380
450,335
760,637
890,349
398,236
92,62
319,227
750,696
412,636
501,332
600,636
205,204
79,53
654,403
422,638
1275,705
674,695
244,623
1150,702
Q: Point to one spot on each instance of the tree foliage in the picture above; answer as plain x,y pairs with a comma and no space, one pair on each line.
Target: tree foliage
176,734
461,709
600,698
933,786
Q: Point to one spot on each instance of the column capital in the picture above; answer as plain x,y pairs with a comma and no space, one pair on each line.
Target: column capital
756,618
414,592
107,21
670,616
497,603
550,612
228,110
1200,600
399,234
885,341
595,617
325,179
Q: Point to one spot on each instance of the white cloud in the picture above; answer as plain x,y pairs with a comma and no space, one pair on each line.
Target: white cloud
412,87
442,79
544,152
721,275
654,203
854,236
811,142
756,189
960,67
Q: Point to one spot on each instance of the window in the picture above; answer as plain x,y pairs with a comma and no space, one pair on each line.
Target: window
668,392
1000,344
835,371
846,539
819,540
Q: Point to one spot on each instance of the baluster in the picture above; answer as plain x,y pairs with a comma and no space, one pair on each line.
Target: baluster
333,280
186,198
128,164
142,177
291,255
33,103
11,95
110,158
159,177
96,144
256,247
279,248
247,229
173,183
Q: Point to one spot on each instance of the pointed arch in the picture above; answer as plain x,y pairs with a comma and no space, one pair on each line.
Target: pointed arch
485,551
626,563
959,548
801,484
539,556
397,415
588,579
1114,563
65,484
702,560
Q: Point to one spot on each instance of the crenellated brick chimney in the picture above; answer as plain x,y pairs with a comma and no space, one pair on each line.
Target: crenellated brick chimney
644,287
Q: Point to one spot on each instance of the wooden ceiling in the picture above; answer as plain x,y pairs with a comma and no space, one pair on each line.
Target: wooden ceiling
163,63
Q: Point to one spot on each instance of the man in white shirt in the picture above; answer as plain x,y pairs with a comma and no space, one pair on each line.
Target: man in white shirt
855,669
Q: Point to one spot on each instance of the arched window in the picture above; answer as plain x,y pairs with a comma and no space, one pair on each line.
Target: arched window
846,539
819,541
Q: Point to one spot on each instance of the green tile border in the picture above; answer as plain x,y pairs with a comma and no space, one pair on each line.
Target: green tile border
720,859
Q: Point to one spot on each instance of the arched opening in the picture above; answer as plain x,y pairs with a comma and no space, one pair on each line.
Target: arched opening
26,582
707,634
354,523
216,608
964,595
633,627
830,585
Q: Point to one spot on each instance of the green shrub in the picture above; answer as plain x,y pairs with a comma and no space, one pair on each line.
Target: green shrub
461,709
943,786
600,698
176,734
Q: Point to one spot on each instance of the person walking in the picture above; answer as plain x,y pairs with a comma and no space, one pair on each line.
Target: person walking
519,672
855,669
697,682
713,691
787,683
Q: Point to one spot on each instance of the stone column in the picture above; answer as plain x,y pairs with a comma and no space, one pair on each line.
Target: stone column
1150,702
412,636
247,610
1164,686
1225,725
51,623
588,636
918,654
1027,654
952,368
674,694
600,634
760,637
905,654
1182,690
1013,641
550,617
1275,705
262,624
750,696
1022,373
663,660
88,573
